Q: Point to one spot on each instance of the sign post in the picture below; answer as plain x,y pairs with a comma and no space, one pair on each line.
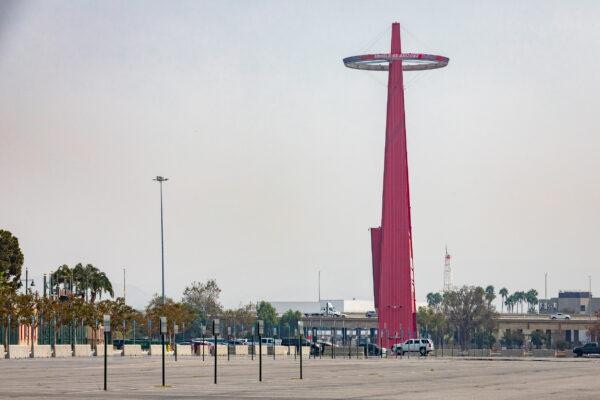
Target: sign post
175,332
300,331
203,329
261,327
163,331
253,341
274,334
229,338
216,329
106,332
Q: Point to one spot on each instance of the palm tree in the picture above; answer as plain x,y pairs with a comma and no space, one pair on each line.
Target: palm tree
98,284
79,276
504,294
84,277
520,297
434,299
532,299
489,295
63,275
88,279
510,302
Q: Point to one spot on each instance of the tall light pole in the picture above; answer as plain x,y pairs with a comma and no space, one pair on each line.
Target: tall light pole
319,288
590,297
124,287
160,180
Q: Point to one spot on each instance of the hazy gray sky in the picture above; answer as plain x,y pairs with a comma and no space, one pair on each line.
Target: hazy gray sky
274,150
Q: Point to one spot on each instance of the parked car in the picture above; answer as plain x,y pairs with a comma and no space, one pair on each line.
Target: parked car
200,342
371,314
588,348
421,346
295,342
371,349
560,316
242,342
267,341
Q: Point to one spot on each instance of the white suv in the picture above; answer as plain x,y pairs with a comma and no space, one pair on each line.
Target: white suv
421,346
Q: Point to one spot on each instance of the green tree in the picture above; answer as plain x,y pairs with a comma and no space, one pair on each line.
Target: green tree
82,280
11,260
203,299
240,319
96,282
290,319
176,313
532,300
503,294
538,339
489,295
266,312
467,312
63,275
432,323
510,303
513,339
8,298
519,298
434,299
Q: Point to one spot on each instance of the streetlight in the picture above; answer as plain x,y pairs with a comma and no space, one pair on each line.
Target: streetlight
160,180
27,286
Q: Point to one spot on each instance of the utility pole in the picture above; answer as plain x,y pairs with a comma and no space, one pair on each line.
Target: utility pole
590,297
160,180
124,287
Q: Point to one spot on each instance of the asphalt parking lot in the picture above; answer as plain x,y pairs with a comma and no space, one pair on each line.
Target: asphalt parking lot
417,378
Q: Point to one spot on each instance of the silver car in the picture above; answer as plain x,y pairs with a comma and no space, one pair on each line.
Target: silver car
560,316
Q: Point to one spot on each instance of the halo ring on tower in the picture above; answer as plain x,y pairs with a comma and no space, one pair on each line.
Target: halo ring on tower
410,61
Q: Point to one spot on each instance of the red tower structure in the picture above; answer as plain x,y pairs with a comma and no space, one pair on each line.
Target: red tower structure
391,243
